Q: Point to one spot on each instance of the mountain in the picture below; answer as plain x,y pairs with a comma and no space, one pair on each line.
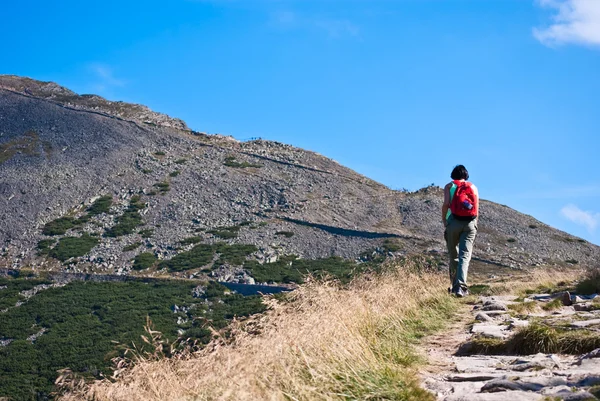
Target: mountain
91,185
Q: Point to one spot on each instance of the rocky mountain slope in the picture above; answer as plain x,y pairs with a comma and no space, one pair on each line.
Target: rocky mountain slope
88,185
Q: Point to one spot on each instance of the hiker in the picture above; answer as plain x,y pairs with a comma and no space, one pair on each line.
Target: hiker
459,215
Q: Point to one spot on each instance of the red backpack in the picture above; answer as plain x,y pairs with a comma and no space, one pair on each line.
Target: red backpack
464,202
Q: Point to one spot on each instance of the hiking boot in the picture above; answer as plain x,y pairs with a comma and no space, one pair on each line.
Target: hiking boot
460,293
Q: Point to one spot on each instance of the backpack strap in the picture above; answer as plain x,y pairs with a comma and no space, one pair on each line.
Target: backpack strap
451,192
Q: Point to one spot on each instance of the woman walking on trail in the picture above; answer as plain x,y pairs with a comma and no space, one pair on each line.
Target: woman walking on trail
459,215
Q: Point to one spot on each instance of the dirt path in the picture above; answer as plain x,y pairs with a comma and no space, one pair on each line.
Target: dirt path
462,366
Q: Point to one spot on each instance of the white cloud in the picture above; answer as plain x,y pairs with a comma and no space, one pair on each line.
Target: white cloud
104,77
577,21
588,219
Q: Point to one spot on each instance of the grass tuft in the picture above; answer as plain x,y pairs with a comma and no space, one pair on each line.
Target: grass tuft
590,284
536,338
488,290
556,303
533,339
523,307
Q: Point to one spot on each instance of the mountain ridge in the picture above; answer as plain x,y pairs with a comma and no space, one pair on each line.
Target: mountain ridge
53,92
58,155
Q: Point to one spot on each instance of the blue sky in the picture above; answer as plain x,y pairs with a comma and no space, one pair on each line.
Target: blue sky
400,91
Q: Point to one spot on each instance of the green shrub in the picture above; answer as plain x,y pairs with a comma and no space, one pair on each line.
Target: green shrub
190,240
59,226
83,219
225,232
231,162
125,225
234,254
203,254
129,220
10,295
180,161
572,261
101,205
162,186
289,269
44,246
72,247
174,173
511,240
198,256
144,261
91,322
159,153
287,234
146,233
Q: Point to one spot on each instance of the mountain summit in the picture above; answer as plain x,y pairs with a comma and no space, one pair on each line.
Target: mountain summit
90,185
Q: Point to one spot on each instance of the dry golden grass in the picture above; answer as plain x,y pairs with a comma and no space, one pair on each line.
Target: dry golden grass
541,279
324,343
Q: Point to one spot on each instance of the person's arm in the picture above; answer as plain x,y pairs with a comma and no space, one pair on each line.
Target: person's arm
446,204
476,192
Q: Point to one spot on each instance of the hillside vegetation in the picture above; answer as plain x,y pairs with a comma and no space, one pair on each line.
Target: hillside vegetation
80,326
323,341
326,341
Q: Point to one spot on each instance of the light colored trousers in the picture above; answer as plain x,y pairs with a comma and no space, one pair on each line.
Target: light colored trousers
460,236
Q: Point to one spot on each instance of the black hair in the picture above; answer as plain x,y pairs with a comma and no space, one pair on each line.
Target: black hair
460,173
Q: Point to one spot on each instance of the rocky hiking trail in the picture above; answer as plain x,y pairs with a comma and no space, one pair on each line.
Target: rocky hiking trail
491,353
